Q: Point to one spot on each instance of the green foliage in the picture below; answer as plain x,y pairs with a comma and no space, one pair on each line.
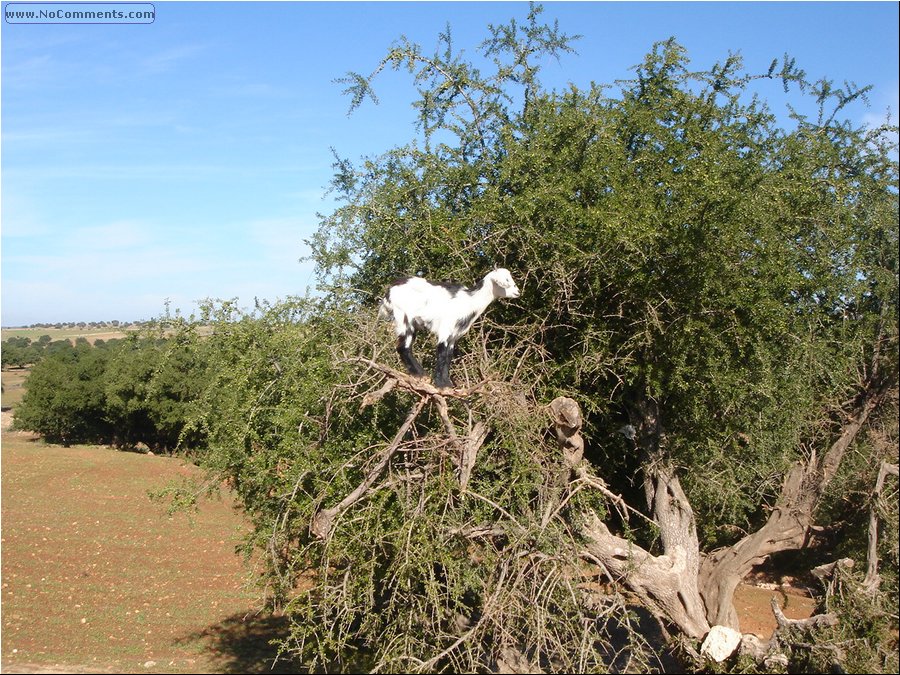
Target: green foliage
64,401
122,392
859,642
418,575
673,243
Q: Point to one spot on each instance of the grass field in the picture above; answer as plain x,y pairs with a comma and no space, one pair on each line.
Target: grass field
63,333
97,578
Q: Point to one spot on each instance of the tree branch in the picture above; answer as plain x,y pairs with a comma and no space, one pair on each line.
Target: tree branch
417,385
873,580
322,521
790,521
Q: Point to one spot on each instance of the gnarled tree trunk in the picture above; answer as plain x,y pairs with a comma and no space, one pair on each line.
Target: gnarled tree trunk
788,525
666,583
681,586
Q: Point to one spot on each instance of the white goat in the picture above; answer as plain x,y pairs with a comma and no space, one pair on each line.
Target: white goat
447,310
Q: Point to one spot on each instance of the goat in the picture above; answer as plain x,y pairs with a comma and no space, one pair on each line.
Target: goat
445,309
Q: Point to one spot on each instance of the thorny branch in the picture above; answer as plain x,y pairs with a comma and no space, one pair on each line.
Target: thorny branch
322,521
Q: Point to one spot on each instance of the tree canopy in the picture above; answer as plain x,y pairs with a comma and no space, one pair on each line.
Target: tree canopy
675,244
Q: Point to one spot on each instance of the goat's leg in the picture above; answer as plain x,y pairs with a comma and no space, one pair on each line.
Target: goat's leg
404,349
442,365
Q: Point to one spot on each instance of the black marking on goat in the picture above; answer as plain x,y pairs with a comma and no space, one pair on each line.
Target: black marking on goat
463,323
399,281
442,367
452,288
409,360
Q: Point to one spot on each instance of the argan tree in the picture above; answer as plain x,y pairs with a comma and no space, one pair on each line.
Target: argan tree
707,331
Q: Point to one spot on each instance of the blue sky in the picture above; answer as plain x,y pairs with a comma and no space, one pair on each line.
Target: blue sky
187,158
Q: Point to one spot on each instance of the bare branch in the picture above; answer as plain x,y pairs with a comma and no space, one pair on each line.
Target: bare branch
374,396
414,384
321,524
467,461
813,622
873,580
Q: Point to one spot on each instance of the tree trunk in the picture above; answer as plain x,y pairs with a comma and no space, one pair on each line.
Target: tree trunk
786,528
666,583
788,525
679,586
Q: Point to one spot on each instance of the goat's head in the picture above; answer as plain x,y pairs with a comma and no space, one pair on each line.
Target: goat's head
503,284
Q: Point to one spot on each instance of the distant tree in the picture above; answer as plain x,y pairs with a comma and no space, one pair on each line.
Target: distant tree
64,401
125,384
179,379
17,352
150,385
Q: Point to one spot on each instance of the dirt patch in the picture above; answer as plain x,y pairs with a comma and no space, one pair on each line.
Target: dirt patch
753,605
97,578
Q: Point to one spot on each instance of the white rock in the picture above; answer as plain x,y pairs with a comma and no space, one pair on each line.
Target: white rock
720,643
